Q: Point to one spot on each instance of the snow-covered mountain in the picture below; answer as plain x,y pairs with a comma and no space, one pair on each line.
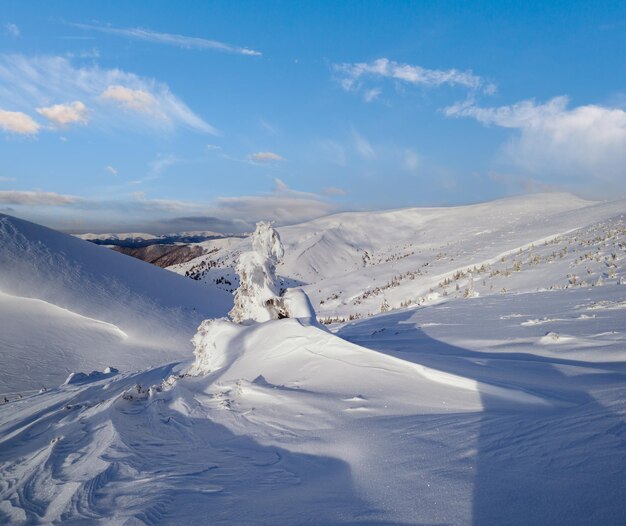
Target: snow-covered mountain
501,402
138,239
351,264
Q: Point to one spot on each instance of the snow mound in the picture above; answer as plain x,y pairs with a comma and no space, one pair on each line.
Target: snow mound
93,376
211,342
289,353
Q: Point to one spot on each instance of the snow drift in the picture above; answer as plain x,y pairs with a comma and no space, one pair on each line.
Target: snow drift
68,305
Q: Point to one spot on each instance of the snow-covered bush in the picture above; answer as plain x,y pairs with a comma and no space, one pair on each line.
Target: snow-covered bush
258,295
259,298
470,291
384,306
211,343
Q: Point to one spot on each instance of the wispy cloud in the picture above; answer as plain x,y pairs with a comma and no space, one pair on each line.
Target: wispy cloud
353,77
6,179
281,186
156,168
181,41
162,163
266,157
64,114
18,122
283,205
12,30
111,170
331,151
333,190
371,94
411,160
362,145
555,140
17,197
116,98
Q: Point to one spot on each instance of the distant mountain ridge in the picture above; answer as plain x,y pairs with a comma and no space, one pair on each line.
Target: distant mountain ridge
138,239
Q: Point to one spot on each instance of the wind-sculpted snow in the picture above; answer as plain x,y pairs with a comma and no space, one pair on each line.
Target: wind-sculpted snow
458,403
68,305
499,399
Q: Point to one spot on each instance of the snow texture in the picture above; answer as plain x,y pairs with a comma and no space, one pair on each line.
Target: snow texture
502,408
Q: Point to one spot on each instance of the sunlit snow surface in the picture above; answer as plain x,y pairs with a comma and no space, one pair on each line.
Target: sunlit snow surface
506,408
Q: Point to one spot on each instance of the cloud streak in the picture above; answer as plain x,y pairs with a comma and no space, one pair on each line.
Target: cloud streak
37,198
181,41
266,157
353,76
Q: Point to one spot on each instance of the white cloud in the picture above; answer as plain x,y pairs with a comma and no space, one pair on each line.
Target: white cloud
131,99
265,157
27,82
18,122
554,140
12,30
64,114
111,170
21,197
352,76
182,41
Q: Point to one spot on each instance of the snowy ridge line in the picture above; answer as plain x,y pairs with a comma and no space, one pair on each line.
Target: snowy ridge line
111,326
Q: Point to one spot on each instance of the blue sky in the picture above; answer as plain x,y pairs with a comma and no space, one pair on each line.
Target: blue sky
155,117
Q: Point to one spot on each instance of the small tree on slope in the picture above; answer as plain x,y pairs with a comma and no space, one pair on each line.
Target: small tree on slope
258,295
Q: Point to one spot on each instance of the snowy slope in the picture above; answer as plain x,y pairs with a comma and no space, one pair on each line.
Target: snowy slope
505,407
349,264
66,303
454,414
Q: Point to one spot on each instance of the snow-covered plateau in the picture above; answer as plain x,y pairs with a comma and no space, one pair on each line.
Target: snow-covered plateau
467,365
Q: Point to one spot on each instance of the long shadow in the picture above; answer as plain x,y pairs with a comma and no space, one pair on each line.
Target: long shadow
166,467
560,464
